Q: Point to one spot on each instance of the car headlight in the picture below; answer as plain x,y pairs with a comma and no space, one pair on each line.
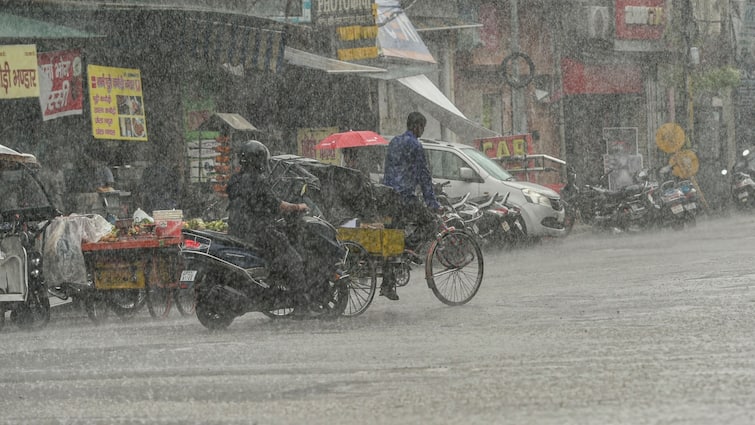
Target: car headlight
536,198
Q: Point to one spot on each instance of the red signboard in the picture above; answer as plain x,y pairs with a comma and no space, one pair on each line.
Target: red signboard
580,78
640,19
60,81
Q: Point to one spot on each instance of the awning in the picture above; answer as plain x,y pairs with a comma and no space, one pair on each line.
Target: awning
233,44
14,26
426,24
332,66
438,105
10,159
219,120
397,37
580,78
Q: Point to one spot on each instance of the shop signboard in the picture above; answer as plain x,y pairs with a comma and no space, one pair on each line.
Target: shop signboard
354,24
18,71
117,103
505,146
307,138
640,19
510,151
60,83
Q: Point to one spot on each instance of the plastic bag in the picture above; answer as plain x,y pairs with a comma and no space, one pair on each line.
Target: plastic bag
140,215
62,255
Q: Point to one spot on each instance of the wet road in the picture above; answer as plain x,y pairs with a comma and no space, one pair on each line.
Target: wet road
623,329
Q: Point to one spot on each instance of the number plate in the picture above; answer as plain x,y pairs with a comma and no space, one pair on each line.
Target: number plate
690,206
676,209
505,226
188,275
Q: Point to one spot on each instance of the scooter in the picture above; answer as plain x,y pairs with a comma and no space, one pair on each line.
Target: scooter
23,291
230,277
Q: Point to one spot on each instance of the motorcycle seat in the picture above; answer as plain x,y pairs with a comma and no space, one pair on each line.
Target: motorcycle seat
607,192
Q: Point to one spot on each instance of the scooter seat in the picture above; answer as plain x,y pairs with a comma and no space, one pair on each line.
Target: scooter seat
221,237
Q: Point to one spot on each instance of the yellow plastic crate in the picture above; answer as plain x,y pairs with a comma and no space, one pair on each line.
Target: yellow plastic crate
384,242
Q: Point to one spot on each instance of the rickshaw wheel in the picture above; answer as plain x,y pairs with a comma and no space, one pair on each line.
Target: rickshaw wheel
159,295
184,299
126,303
338,300
362,279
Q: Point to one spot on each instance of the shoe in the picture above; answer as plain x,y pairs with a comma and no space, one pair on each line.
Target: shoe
389,292
307,312
414,257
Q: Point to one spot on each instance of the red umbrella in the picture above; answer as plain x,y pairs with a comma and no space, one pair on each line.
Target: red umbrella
351,139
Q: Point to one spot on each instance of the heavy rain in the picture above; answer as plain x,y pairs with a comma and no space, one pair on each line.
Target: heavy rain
384,211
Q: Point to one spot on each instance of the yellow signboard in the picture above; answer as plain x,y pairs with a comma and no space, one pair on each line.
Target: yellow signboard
117,104
18,71
669,137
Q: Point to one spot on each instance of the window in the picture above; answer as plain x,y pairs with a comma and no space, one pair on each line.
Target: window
444,165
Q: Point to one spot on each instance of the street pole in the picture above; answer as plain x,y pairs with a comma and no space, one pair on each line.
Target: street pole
519,110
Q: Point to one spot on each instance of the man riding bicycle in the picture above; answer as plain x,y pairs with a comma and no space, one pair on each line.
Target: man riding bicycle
405,169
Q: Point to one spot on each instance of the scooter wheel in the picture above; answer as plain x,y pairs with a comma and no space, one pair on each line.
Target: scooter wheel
34,314
211,317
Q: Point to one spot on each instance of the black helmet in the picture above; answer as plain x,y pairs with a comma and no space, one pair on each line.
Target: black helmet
253,156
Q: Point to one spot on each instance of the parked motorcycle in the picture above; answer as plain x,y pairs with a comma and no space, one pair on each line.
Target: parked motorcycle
230,276
692,201
626,209
672,207
742,184
23,291
493,221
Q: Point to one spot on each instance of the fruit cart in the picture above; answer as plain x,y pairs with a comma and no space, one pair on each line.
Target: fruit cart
133,269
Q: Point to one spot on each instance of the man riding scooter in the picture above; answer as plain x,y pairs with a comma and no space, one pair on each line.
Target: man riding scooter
253,211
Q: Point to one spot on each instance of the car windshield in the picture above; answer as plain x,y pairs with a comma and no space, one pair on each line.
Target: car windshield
487,164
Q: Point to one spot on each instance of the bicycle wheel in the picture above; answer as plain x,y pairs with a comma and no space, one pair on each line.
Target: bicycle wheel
454,268
159,292
362,279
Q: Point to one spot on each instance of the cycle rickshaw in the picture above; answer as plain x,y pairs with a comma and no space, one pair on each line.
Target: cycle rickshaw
452,262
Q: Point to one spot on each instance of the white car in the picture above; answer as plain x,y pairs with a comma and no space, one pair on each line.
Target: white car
470,171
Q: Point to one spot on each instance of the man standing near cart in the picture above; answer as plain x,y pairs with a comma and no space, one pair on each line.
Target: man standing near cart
405,169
